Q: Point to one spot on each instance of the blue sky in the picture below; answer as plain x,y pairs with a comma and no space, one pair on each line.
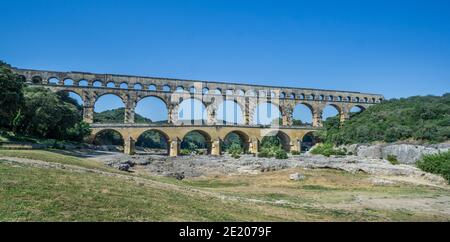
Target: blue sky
395,48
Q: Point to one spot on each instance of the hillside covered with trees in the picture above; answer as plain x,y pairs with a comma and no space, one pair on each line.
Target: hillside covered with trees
425,119
38,112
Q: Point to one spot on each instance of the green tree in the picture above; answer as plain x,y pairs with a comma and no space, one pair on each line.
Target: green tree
50,115
11,95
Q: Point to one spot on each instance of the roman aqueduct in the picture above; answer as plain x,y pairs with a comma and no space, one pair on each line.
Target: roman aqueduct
131,89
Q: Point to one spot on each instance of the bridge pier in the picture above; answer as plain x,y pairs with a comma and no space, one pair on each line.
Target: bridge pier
215,147
253,147
129,146
174,149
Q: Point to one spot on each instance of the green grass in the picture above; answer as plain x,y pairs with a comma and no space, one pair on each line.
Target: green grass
56,156
43,194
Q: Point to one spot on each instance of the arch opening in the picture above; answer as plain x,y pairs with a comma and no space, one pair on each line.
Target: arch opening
83,83
196,142
233,140
51,81
276,139
67,82
308,141
109,140
151,110
267,113
37,80
302,115
330,111
109,108
192,111
153,142
230,112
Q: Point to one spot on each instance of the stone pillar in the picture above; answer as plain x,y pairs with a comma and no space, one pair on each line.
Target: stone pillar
287,116
130,104
253,147
344,116
88,106
174,148
88,114
215,147
317,118
129,147
297,145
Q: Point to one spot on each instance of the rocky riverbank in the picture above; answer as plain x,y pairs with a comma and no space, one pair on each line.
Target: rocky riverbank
405,153
197,166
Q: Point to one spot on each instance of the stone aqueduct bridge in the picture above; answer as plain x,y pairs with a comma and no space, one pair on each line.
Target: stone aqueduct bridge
132,89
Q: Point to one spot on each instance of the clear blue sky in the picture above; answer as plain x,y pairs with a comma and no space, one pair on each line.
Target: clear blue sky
396,48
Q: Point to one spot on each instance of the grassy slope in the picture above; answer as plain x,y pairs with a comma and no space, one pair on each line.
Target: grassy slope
40,194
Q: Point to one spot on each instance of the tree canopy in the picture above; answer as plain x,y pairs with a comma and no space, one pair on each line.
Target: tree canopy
415,118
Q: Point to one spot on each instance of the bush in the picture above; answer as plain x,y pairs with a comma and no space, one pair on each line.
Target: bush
264,153
295,152
393,159
327,150
185,152
437,164
281,154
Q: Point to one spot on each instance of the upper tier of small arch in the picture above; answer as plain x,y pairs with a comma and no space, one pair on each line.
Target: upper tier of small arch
129,82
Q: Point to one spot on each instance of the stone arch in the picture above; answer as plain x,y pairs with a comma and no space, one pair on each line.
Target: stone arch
150,107
137,86
191,111
223,112
109,139
244,140
263,113
68,82
123,85
152,87
53,81
308,141
330,110
201,145
83,83
357,109
97,83
145,143
116,102
303,114
250,93
111,84
166,88
74,94
36,80
205,91
282,137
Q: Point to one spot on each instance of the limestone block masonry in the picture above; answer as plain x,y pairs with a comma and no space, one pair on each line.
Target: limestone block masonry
132,89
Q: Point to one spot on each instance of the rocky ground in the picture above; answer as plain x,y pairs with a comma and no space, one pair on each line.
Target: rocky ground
196,166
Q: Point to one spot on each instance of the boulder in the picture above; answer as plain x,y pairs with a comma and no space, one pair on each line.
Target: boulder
296,177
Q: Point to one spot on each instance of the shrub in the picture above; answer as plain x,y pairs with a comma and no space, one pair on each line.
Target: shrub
281,154
264,153
295,152
437,164
393,159
185,152
327,150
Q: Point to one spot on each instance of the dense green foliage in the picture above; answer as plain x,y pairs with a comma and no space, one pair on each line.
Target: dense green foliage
418,118
194,142
108,137
327,150
437,164
393,159
38,112
271,147
51,115
152,139
11,96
